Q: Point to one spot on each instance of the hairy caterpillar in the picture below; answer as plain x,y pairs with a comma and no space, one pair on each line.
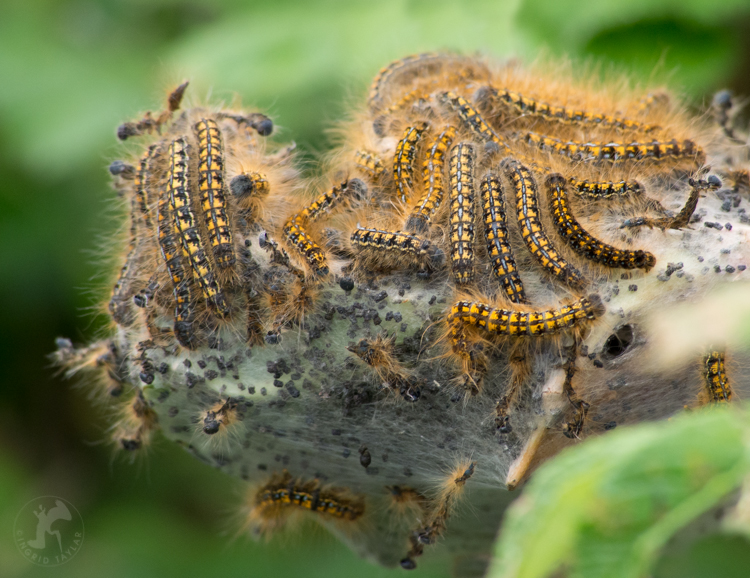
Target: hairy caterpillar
539,245
581,241
462,161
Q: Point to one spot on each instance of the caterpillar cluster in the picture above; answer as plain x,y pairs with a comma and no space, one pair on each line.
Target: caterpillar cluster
494,158
196,196
260,317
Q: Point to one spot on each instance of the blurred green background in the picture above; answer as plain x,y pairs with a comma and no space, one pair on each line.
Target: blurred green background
70,72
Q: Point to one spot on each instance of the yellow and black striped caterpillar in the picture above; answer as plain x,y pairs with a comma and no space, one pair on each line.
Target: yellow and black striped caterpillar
581,241
519,323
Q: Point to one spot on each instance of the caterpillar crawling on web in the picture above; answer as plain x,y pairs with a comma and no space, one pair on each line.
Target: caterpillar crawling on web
463,290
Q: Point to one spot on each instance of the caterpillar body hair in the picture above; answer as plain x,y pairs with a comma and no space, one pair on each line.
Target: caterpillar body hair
653,152
738,180
410,66
596,190
380,123
283,495
298,238
573,429
581,241
473,119
176,263
101,358
715,377
399,242
178,191
141,229
295,228
462,161
440,511
682,218
502,413
246,185
119,300
433,181
137,424
529,107
249,191
369,163
212,188
149,124
254,325
259,122
142,186
403,160
653,101
287,305
289,294
419,67
498,243
529,220
379,354
219,417
517,323
121,169
405,498
470,352
325,202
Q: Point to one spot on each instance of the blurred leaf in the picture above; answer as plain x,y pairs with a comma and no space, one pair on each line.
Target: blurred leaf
689,42
567,24
691,54
715,556
299,60
607,507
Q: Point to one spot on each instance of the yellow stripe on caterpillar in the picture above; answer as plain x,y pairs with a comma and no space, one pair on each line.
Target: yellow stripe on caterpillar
583,242
529,220
213,191
433,181
178,192
462,161
516,323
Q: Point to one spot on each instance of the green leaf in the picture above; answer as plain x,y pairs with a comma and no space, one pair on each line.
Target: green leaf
607,507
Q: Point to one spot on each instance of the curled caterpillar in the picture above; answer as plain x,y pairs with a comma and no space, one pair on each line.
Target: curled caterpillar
581,241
